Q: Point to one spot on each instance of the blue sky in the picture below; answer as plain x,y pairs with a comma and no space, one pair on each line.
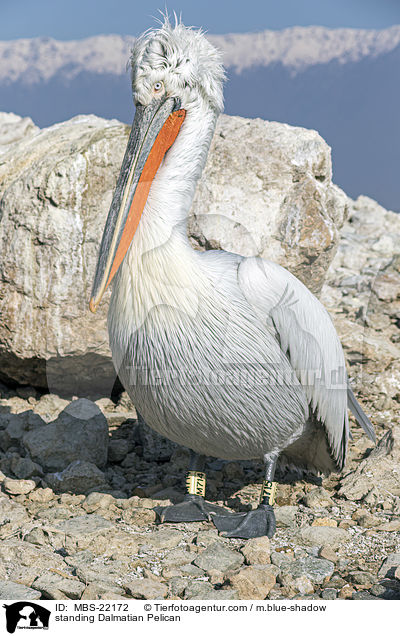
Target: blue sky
74,19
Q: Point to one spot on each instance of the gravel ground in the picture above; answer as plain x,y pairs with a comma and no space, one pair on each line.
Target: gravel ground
81,525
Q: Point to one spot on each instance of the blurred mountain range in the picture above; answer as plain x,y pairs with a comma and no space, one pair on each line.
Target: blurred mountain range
342,82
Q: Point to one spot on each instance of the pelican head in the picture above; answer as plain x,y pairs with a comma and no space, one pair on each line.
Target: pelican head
176,74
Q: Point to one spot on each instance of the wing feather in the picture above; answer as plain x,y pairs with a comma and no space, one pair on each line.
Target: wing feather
308,337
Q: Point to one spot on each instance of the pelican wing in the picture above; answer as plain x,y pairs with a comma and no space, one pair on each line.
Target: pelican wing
307,336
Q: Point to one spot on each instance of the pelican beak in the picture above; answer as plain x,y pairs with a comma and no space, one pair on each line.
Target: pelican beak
154,130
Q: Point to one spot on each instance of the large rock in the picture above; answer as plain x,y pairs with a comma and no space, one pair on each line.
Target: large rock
362,293
266,190
13,129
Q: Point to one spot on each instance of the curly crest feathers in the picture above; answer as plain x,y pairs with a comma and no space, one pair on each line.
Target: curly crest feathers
182,54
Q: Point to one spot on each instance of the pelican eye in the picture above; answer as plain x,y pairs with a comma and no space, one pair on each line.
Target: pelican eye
158,86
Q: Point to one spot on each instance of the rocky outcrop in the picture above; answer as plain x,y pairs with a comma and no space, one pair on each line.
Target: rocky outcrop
362,294
13,129
266,190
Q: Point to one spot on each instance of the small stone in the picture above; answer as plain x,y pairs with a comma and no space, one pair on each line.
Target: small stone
80,559
303,585
155,446
324,522
390,526
363,595
345,524
139,516
386,589
318,498
50,406
145,589
85,525
286,516
37,537
198,590
346,591
337,582
326,552
389,565
176,586
24,468
79,476
207,537
191,570
329,594
364,518
316,570
79,433
18,486
253,582
12,591
163,539
97,500
99,591
117,450
361,578
177,557
218,557
54,586
280,559
216,577
257,551
322,536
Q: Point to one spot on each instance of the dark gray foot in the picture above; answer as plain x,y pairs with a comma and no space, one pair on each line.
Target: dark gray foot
247,525
192,508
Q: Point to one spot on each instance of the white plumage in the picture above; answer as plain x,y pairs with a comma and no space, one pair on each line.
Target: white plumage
230,356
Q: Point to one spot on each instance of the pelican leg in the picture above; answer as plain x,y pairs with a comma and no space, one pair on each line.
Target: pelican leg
193,507
259,522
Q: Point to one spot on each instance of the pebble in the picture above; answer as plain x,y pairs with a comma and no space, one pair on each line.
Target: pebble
324,522
97,500
389,565
257,551
361,578
117,450
303,585
318,498
346,591
10,590
363,595
85,525
219,557
163,539
80,432
54,586
79,476
326,552
329,594
316,570
207,537
18,486
286,516
253,582
145,589
322,536
24,468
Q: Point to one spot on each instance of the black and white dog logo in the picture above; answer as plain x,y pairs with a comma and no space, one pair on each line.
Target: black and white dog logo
26,615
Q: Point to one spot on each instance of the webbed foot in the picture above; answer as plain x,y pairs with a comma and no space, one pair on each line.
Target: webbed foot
192,508
247,525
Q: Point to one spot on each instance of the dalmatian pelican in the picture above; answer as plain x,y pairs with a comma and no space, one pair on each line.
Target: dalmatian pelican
232,357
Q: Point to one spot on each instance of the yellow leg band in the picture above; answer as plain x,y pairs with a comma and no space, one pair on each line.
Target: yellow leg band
268,490
196,483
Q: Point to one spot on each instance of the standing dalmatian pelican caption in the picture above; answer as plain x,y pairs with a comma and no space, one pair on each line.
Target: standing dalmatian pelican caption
229,356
